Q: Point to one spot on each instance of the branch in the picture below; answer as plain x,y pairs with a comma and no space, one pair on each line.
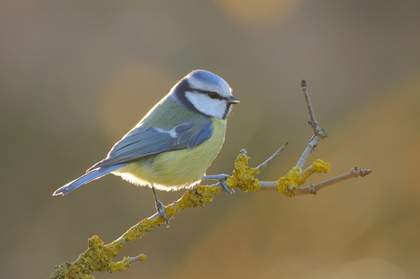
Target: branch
353,173
313,189
98,257
319,133
264,164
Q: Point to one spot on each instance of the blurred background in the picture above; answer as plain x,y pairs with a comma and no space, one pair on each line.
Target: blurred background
75,76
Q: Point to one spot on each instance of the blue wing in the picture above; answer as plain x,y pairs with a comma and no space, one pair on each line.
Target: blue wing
142,142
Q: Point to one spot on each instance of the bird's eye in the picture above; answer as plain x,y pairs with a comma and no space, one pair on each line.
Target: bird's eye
213,95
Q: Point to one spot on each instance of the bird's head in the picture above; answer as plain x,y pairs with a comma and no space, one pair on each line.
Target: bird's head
206,93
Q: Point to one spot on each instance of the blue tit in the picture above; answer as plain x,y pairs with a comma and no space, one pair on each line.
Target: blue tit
174,144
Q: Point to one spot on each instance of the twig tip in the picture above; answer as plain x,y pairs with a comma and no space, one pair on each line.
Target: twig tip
364,172
243,152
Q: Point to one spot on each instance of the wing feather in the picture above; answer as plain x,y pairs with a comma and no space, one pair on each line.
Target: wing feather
143,142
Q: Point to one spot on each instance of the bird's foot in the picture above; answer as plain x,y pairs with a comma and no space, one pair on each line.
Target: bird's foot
161,209
222,180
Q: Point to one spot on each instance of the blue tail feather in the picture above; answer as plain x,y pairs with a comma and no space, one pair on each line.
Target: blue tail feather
86,178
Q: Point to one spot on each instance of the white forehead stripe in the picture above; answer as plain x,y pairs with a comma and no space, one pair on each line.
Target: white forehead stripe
207,81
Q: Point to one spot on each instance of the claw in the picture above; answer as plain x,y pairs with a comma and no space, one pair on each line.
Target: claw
222,180
160,207
226,187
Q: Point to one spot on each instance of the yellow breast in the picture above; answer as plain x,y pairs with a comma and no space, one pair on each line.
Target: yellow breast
177,169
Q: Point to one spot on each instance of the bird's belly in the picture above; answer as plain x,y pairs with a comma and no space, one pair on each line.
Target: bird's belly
177,169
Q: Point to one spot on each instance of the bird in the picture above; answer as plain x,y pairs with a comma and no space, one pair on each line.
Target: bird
176,141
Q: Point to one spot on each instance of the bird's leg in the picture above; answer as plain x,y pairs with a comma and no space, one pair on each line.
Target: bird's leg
160,207
222,180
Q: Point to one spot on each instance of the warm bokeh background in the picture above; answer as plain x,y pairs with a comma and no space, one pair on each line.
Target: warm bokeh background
76,75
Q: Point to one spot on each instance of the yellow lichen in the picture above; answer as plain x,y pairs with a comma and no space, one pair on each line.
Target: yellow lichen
96,258
170,211
320,166
140,229
125,263
243,175
196,197
120,266
289,184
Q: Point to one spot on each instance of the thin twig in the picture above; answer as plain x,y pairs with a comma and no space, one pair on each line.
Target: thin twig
268,161
314,124
353,173
319,133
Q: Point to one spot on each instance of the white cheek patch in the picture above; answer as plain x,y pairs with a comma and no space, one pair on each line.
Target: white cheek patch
206,105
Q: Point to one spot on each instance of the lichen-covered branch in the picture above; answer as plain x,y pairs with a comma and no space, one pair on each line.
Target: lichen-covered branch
99,256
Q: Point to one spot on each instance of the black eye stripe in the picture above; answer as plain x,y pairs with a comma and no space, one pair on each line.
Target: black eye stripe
211,94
